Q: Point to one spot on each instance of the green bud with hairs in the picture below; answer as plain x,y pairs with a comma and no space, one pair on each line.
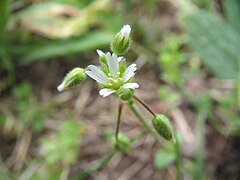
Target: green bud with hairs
72,79
163,127
123,144
121,42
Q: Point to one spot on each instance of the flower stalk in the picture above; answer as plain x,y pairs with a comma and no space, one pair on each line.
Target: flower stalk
120,107
144,105
143,121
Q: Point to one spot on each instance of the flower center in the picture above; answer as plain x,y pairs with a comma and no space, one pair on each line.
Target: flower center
115,81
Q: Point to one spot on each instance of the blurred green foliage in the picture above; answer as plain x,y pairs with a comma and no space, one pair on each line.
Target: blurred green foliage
215,41
170,59
165,156
31,52
63,146
57,28
211,33
232,12
215,37
169,96
4,8
29,112
168,154
204,4
59,151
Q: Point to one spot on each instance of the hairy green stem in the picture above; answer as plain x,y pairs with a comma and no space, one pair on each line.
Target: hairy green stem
142,120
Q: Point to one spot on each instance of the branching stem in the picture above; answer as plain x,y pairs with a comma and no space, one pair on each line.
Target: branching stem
142,120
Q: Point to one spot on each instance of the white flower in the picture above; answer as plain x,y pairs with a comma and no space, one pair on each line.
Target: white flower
125,31
114,81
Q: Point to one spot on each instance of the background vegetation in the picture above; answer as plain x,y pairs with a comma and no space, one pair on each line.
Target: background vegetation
188,59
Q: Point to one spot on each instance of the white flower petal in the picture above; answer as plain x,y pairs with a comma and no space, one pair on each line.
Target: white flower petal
112,62
120,58
129,72
106,92
130,86
96,78
97,74
125,31
100,53
60,87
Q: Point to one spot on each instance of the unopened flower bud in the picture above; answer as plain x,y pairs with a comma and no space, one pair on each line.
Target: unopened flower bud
73,78
121,41
123,144
163,127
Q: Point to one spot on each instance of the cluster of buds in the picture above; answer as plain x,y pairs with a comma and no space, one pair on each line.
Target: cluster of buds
112,76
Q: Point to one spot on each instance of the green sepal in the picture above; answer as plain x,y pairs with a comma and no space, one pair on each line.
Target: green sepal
126,95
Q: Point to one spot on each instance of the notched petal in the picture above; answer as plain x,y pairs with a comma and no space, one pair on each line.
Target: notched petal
130,86
106,92
129,72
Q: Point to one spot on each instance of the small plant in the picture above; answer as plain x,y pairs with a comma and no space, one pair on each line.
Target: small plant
171,59
32,115
60,151
114,77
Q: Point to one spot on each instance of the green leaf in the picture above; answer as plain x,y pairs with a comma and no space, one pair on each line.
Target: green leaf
232,10
216,42
3,16
164,158
28,53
